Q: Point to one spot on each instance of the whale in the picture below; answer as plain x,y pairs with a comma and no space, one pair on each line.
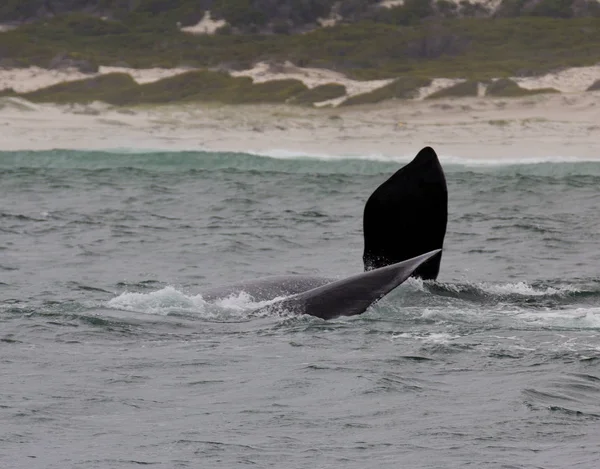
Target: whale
404,225
407,216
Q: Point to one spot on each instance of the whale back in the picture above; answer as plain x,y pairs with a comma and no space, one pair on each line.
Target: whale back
407,216
267,288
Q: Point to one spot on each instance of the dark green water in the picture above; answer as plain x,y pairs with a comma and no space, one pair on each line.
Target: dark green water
109,356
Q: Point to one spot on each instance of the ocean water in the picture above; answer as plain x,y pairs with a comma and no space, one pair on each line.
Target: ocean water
110,357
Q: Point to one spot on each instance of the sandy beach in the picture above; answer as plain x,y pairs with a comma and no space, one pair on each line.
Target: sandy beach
544,127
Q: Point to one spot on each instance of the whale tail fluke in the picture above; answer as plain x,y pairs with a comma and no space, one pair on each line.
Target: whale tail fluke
353,295
407,215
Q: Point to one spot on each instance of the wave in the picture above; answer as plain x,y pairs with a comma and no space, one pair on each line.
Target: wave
573,394
285,161
587,318
517,291
445,158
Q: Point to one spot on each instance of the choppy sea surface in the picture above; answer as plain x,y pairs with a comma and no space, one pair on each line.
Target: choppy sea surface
110,357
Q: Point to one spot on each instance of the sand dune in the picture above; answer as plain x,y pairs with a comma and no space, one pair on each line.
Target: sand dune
23,80
567,81
29,79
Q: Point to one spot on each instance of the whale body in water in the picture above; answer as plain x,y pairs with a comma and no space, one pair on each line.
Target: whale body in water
404,224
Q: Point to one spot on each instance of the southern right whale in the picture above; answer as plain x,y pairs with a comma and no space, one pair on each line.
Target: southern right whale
407,216
404,224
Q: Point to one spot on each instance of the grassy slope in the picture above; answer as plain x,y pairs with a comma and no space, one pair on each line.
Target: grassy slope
401,88
506,88
481,48
460,90
194,86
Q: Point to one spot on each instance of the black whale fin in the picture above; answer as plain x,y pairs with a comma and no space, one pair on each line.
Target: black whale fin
407,215
353,295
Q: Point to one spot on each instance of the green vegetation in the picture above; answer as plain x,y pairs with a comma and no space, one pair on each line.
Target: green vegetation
468,48
401,88
506,88
276,91
8,92
320,93
416,41
297,14
100,88
190,86
460,90
195,86
120,89
158,15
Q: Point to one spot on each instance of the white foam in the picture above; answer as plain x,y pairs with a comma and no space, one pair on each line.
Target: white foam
447,315
438,315
238,302
523,289
243,302
283,154
579,318
520,160
415,284
161,302
428,337
169,301
405,158
446,158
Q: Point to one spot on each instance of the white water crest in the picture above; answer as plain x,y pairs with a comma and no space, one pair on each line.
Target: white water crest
569,318
446,158
161,302
524,289
171,301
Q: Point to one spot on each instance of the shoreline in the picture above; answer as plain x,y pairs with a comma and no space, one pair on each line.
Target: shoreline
560,127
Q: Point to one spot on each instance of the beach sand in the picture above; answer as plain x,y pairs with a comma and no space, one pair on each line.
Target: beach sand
542,127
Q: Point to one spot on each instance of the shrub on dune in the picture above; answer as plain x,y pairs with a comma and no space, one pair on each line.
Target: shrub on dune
401,88
98,88
320,93
507,88
460,90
